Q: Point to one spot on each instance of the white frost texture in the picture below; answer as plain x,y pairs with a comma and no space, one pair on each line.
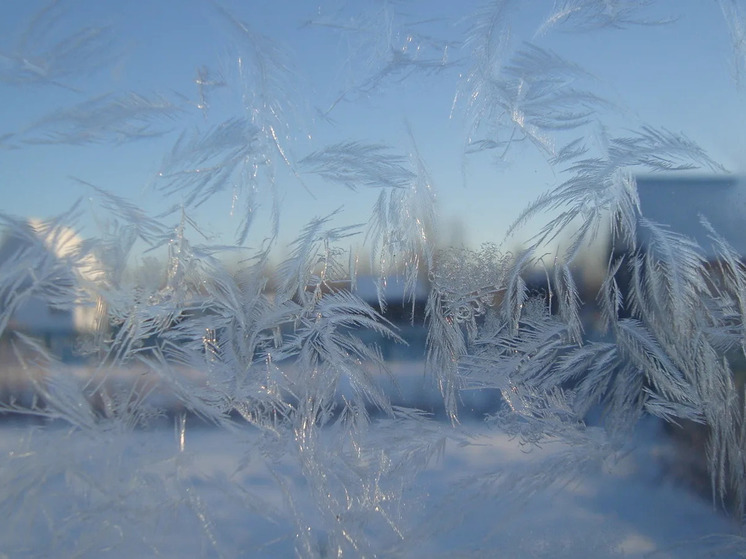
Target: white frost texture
265,291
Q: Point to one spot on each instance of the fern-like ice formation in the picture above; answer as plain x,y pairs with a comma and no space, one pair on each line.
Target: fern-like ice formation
279,355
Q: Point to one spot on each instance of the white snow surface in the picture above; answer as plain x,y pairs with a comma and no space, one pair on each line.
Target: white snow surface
213,494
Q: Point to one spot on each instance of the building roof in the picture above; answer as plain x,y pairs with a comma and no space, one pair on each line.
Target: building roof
56,257
680,202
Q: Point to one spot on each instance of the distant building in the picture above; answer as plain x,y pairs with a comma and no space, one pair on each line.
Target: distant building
47,288
407,315
680,201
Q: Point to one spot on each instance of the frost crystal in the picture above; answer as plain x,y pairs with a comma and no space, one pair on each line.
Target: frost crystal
125,314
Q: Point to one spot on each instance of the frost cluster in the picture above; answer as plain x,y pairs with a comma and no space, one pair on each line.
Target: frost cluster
265,342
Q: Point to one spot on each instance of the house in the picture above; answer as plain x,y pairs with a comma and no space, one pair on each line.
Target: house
47,287
680,202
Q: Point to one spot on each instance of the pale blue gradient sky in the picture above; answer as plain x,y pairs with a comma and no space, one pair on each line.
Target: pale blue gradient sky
679,76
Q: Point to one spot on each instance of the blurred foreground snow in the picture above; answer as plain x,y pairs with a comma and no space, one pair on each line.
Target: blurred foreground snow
213,494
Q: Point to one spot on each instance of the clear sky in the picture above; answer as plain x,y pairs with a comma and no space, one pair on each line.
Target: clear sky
323,73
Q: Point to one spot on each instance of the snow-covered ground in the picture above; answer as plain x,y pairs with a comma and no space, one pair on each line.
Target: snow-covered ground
217,493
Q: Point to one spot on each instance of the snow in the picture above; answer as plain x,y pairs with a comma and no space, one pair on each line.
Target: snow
141,493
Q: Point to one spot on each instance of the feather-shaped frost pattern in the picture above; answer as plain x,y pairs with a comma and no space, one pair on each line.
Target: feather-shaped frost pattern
733,15
315,261
529,97
602,188
401,230
610,297
266,75
206,163
674,274
107,118
355,164
730,283
387,44
146,227
515,290
568,301
49,52
446,346
590,15
645,352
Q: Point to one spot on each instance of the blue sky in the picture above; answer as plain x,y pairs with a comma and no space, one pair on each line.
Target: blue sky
678,75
